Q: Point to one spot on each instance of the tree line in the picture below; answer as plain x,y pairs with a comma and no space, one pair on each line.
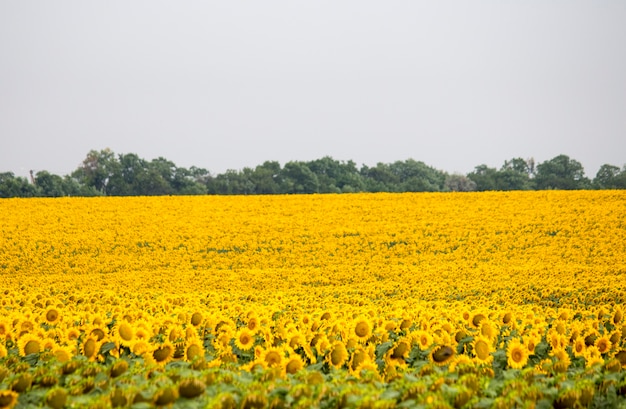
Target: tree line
104,173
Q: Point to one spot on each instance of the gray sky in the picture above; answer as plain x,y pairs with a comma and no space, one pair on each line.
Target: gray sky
224,85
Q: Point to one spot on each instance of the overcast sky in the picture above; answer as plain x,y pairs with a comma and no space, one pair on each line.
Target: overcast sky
228,84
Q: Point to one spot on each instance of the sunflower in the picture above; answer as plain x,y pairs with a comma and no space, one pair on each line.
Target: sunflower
337,355
52,315
8,399
579,347
603,344
272,358
193,349
531,342
72,334
488,329
362,329
29,344
293,364
563,360
5,327
593,356
140,347
244,339
618,315
482,348
359,356
296,340
517,354
477,319
441,355
63,353
423,339
253,323
124,332
3,351
163,353
90,347
397,354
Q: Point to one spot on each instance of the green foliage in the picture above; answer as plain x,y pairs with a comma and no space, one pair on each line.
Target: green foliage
105,173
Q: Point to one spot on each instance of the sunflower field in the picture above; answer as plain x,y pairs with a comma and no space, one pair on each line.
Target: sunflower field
416,300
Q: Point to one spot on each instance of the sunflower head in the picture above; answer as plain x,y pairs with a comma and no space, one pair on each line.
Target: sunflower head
337,355
441,355
29,344
293,364
517,354
482,348
52,315
244,339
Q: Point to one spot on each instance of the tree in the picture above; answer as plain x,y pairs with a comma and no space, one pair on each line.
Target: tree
416,176
298,178
459,183
610,177
561,172
335,176
484,177
97,170
380,178
12,186
50,185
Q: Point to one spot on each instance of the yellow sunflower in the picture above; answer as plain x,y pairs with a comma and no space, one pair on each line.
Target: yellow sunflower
63,353
52,315
517,354
29,344
362,329
337,355
272,357
90,347
603,344
293,364
193,349
442,355
8,399
163,353
244,339
124,332
579,347
482,348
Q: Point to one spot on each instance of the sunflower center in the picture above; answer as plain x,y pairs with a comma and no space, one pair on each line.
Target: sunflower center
90,347
482,350
162,354
442,354
32,347
272,358
362,329
293,366
126,332
52,315
193,351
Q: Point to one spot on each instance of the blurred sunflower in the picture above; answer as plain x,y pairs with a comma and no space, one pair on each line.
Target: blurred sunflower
482,348
29,344
337,355
244,339
193,349
516,354
362,329
52,315
272,357
163,353
124,332
293,364
441,355
8,399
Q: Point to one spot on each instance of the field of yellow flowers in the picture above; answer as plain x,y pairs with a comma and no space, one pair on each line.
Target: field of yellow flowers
462,300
